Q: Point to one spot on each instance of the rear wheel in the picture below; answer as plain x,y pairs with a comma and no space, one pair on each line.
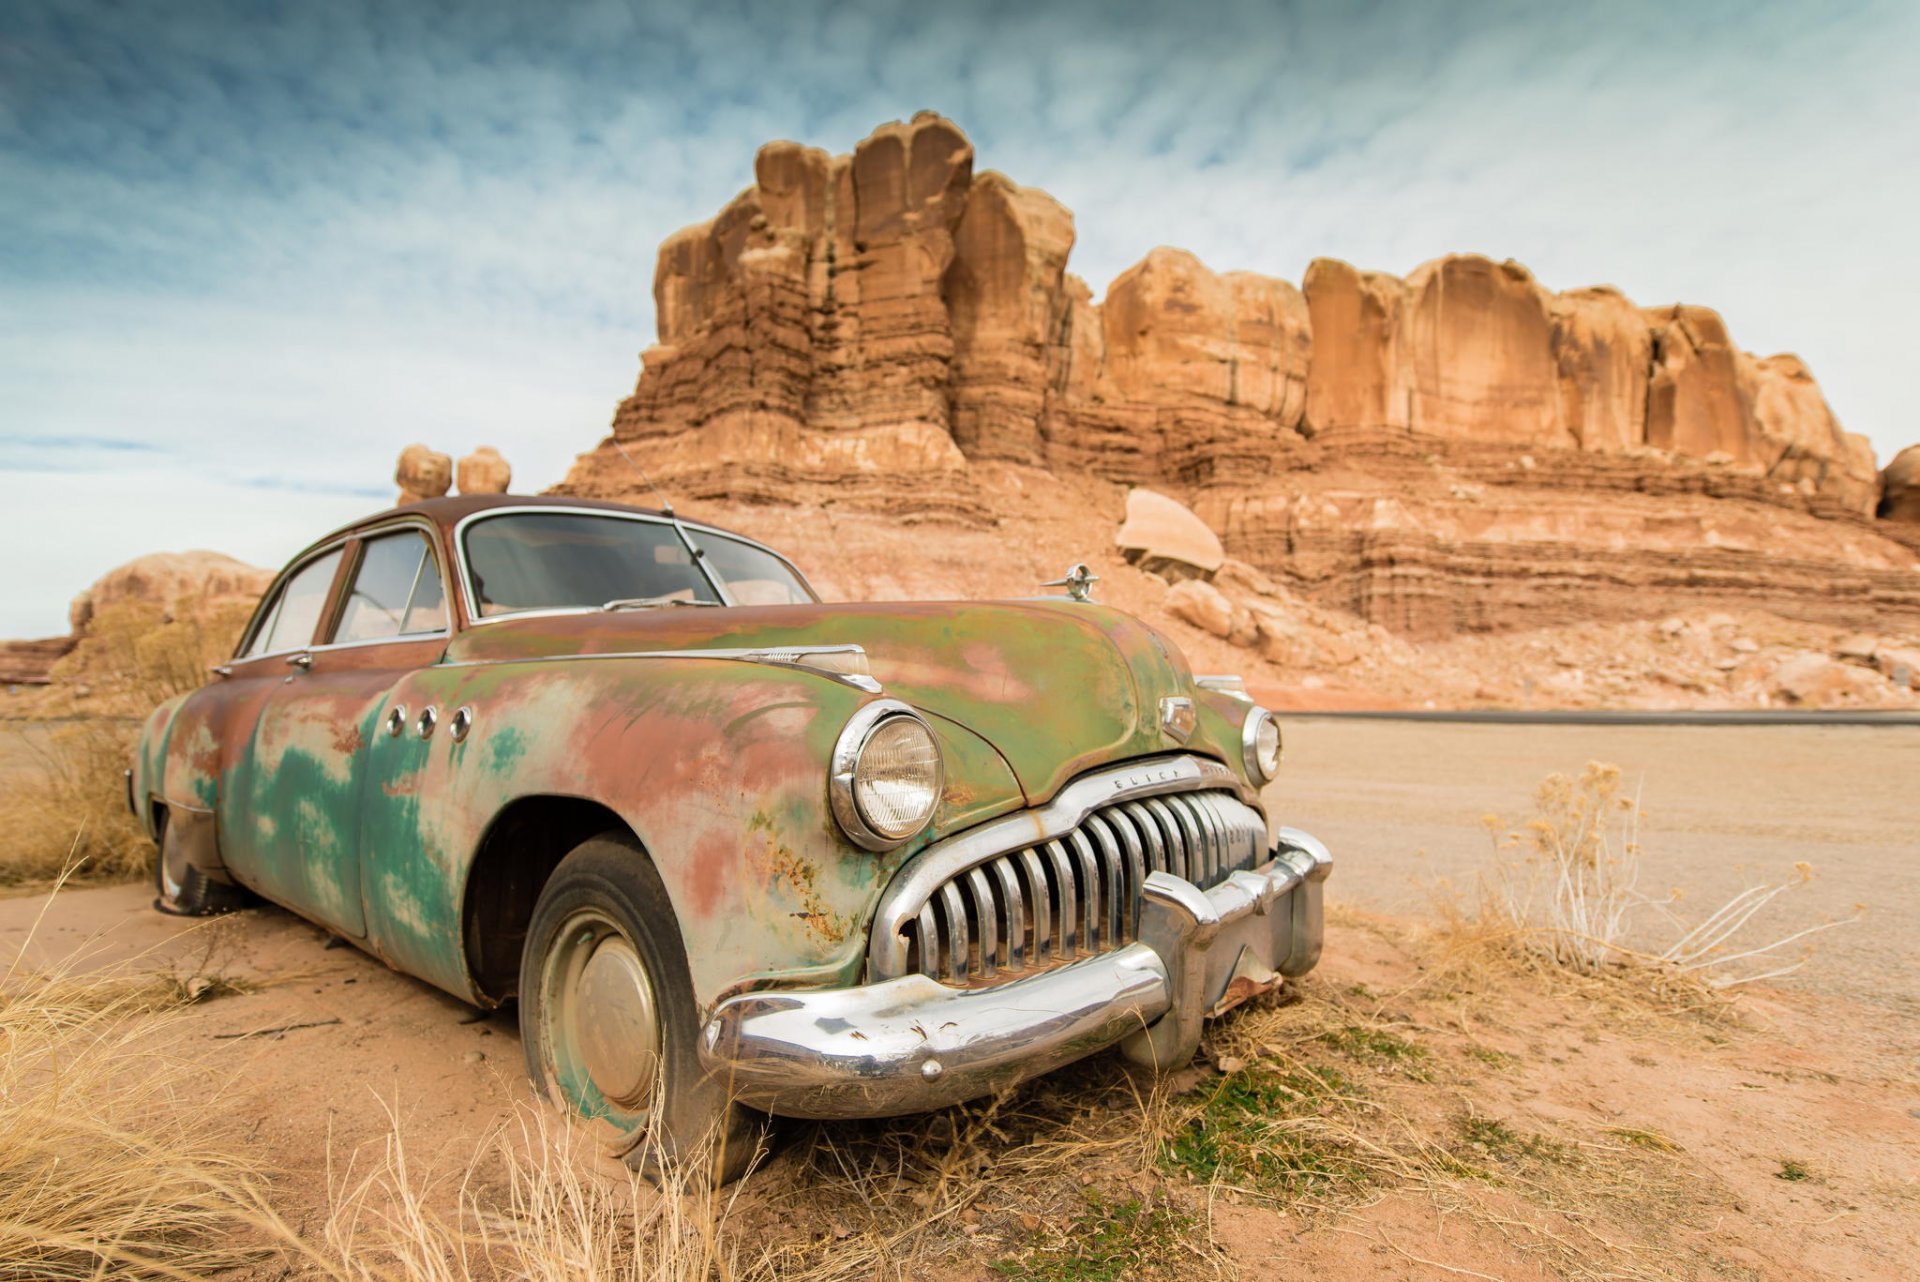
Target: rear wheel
185,889
608,1021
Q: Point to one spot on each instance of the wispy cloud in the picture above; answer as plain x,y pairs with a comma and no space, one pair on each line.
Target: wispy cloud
287,246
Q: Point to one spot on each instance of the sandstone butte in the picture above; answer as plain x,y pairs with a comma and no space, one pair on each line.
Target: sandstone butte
1461,450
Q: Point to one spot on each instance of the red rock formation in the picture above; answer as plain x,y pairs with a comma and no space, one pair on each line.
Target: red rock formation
1459,450
30,663
1900,488
167,581
1480,342
1603,350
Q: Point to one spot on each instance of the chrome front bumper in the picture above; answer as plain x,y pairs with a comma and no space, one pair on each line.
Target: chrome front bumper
910,1044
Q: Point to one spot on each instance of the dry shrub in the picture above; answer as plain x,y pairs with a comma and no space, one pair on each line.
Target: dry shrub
1564,892
69,817
68,814
114,1161
134,656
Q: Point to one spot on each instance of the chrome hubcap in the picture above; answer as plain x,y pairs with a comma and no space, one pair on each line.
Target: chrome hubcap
605,1012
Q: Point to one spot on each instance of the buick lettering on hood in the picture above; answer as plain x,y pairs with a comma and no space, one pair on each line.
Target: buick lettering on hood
734,851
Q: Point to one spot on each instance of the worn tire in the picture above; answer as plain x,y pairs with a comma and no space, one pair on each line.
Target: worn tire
184,889
603,912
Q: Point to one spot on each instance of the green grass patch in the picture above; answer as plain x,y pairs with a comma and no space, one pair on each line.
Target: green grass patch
1269,1131
1494,1138
1792,1171
1493,1058
1379,1049
1109,1241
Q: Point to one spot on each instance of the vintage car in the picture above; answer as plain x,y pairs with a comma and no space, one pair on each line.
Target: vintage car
734,851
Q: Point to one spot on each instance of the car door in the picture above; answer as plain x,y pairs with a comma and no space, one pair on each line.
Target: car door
307,794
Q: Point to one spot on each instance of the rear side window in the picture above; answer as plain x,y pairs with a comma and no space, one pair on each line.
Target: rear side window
295,613
396,591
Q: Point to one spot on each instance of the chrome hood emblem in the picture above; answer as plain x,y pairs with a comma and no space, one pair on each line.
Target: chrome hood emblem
1078,583
1177,718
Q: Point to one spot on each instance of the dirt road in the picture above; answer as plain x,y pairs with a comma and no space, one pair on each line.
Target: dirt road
1401,804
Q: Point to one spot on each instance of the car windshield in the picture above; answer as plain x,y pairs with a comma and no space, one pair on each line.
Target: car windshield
575,560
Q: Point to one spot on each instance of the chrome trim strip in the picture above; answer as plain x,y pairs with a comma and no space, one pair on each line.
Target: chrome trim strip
776,657
943,860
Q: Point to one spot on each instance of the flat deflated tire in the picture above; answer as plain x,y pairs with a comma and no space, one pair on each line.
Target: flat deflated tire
608,1020
183,888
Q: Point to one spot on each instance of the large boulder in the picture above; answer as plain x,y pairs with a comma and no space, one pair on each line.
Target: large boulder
484,472
1163,536
1900,487
422,474
1203,605
171,582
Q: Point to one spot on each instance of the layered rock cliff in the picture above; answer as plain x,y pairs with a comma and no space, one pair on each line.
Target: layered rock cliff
1461,449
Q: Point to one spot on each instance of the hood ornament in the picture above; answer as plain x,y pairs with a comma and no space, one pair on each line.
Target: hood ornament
1078,583
1178,718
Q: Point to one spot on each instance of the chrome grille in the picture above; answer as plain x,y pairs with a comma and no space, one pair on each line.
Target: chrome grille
1079,893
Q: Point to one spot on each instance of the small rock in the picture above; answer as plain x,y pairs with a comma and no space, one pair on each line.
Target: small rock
1672,627
1204,606
1900,666
1745,645
474,1057
1859,647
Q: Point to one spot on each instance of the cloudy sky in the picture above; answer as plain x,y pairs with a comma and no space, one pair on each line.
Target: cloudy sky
248,252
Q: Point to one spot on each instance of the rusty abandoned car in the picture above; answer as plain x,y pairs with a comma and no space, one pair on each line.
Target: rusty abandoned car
734,851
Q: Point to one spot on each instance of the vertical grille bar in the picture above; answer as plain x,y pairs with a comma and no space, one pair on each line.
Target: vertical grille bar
1041,901
1067,926
1092,894
986,922
957,944
1013,940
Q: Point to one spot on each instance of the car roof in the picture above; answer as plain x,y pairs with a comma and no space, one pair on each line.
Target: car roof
450,511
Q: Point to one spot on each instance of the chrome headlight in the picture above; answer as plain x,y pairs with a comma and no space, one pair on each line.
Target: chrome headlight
1260,745
886,776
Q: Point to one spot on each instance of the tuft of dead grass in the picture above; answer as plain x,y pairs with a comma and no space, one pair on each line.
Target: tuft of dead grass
1562,896
114,1161
68,815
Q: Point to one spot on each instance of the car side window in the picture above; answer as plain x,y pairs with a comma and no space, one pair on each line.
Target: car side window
396,591
292,619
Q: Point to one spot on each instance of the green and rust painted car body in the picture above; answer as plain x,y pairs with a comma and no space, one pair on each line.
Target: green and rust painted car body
334,780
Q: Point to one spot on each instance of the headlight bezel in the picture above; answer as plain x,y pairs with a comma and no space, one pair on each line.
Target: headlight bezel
843,772
1250,745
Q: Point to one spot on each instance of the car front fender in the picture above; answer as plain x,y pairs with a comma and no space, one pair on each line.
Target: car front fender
719,768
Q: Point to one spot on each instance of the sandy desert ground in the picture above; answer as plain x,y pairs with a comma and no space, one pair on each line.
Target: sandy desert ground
1815,1074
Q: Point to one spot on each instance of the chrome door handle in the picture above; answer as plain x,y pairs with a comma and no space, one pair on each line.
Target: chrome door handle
301,660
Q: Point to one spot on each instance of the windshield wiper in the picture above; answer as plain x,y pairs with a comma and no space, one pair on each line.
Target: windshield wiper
651,602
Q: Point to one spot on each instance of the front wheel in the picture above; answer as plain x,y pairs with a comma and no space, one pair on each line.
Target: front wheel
608,1021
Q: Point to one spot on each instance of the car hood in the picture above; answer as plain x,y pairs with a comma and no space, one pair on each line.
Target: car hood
1056,686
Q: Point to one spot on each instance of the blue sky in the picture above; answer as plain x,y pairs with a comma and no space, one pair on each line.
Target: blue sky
248,252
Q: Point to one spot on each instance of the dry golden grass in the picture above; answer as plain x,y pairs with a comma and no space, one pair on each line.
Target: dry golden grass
65,812
1561,900
113,1158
